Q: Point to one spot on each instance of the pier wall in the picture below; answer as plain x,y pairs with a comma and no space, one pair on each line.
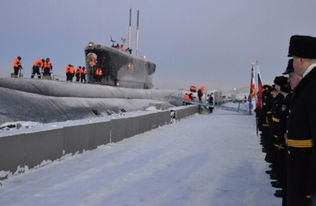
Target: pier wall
28,150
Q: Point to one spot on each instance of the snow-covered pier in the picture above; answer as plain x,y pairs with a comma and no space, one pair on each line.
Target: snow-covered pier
201,160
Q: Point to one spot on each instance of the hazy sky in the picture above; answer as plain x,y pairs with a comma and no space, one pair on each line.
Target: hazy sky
209,42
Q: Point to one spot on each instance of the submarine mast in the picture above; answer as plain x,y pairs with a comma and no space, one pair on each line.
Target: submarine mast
137,34
130,30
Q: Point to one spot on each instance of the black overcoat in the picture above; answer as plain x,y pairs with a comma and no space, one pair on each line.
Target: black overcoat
301,139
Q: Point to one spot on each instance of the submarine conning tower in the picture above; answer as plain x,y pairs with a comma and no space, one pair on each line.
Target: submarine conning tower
119,68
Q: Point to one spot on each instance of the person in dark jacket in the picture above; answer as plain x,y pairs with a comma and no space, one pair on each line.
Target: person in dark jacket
269,136
83,75
294,79
98,75
201,93
48,67
301,127
211,103
263,119
36,68
17,65
78,73
274,146
70,72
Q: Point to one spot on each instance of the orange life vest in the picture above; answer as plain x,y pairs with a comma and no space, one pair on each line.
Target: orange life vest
38,62
70,69
202,88
84,71
47,65
16,63
98,72
78,70
186,97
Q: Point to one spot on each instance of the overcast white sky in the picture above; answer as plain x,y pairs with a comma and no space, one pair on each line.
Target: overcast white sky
209,42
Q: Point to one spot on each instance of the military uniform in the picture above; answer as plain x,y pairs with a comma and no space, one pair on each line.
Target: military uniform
275,129
301,135
301,127
277,132
265,116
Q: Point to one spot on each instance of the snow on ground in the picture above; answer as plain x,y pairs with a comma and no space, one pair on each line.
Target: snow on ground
212,160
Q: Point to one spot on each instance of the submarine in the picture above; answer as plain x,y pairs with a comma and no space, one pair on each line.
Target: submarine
126,85
119,66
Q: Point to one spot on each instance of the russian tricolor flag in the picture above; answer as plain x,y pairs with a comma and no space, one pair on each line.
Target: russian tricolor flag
252,92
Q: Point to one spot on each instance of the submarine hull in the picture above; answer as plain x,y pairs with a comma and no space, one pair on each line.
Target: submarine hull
47,101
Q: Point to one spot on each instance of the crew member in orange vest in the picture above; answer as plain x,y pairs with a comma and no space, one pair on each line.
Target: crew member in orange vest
78,72
201,92
191,96
83,74
17,65
70,72
48,67
98,74
187,99
36,68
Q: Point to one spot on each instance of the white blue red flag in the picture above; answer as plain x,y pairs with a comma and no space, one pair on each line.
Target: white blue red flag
252,92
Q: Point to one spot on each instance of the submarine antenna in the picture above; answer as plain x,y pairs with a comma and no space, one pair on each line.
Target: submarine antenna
130,29
137,35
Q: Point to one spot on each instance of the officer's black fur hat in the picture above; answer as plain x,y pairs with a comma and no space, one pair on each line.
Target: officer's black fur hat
280,80
302,46
289,68
266,87
283,83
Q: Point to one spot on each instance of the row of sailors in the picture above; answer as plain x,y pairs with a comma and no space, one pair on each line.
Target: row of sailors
271,122
287,122
45,65
80,73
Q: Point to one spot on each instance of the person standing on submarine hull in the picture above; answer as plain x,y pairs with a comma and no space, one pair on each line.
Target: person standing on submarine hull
17,65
